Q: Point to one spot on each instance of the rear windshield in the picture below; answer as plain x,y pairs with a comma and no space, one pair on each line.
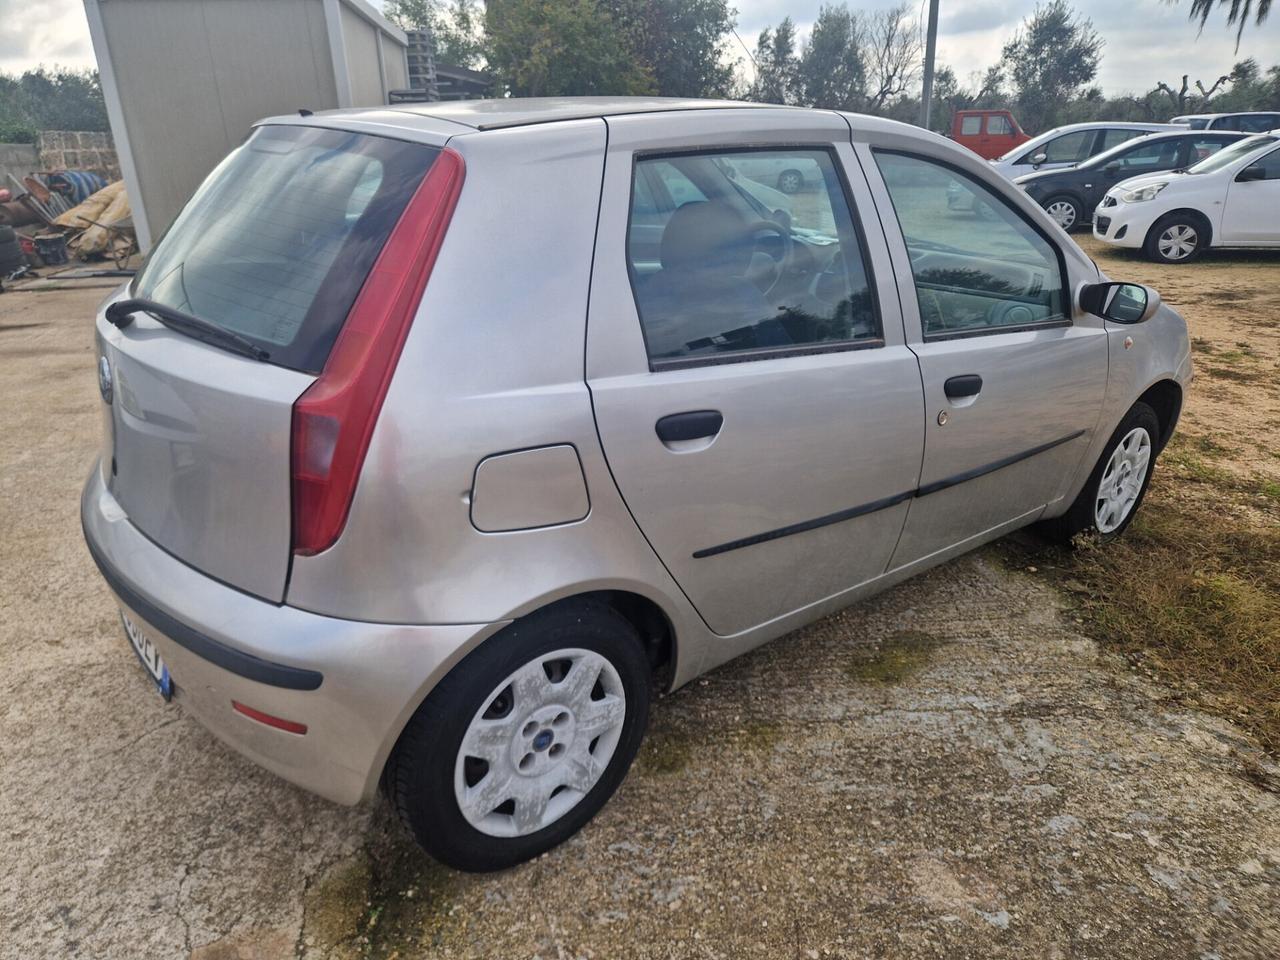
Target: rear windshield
278,240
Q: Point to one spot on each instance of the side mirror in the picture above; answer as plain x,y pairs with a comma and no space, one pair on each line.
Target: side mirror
1038,159
1112,167
1119,302
1252,172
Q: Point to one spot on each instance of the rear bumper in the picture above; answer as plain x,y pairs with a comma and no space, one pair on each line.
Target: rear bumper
353,684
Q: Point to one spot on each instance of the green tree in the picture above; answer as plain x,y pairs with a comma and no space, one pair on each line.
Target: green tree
456,27
1238,12
1049,60
831,69
777,65
548,48
57,99
681,43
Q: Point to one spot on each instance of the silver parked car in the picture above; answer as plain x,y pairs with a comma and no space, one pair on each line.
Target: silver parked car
437,437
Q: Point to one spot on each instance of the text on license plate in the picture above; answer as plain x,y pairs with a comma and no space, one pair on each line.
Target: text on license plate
149,655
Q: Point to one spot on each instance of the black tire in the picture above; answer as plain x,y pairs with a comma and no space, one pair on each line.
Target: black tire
7,234
790,181
419,779
1081,514
1069,208
1172,227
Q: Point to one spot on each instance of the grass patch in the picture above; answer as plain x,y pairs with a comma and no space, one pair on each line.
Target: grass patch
1194,591
902,655
392,901
666,750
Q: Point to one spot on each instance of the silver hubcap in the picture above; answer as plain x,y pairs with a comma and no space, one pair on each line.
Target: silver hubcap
540,743
1122,480
1063,212
790,183
1177,242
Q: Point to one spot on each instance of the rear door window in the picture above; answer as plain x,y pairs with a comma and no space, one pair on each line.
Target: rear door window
278,240
970,126
741,270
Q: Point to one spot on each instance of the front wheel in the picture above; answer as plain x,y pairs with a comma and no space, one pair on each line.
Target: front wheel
1177,238
1065,211
525,740
1114,490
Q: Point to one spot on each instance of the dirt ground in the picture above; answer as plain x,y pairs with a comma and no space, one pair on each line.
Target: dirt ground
950,770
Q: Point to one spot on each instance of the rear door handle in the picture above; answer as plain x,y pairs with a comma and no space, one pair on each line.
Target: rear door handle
693,425
966,385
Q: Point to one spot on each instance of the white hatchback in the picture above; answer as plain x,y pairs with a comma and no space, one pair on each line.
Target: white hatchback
1231,199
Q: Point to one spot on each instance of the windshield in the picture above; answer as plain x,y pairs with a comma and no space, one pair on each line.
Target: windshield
276,243
1229,154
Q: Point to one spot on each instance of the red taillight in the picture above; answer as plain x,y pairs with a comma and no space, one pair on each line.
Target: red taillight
289,726
333,420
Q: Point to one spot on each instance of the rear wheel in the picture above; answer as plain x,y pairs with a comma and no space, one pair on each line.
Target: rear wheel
1065,211
525,740
790,181
1177,238
1119,481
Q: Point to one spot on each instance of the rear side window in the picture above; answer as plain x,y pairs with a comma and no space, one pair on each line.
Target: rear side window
733,268
970,126
278,240
978,269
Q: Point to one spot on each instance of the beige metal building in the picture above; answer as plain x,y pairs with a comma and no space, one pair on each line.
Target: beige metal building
184,80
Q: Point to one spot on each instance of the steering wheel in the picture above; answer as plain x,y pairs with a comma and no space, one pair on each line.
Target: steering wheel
784,263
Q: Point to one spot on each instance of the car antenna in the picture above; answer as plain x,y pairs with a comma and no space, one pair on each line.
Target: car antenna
304,112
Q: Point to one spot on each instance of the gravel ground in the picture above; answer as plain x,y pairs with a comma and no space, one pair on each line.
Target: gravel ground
951,770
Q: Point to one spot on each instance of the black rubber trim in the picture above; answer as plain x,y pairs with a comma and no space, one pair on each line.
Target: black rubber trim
884,504
814,524
219,654
982,471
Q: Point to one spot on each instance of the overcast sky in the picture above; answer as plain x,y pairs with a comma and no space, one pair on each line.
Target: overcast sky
1147,40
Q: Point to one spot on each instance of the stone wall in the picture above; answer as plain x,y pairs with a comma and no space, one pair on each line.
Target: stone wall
78,150
16,159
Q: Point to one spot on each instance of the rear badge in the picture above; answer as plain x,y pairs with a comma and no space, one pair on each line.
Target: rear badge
104,379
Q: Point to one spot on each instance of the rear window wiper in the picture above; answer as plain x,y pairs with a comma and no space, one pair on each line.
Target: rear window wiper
121,315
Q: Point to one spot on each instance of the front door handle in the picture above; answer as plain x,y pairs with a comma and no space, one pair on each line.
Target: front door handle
966,385
693,425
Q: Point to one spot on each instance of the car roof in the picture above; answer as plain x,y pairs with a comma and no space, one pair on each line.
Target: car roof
522,111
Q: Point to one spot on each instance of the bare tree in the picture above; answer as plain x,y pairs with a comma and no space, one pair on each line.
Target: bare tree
892,56
1183,98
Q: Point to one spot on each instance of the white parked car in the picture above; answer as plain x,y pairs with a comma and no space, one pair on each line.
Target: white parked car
1249,122
1071,144
1231,199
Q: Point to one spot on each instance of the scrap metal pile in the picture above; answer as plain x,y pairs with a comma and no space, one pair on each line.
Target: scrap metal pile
73,211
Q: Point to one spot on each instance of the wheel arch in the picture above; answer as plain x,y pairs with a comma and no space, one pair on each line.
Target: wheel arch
1165,398
1191,213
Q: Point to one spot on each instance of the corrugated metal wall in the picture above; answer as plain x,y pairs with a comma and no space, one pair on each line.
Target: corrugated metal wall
193,75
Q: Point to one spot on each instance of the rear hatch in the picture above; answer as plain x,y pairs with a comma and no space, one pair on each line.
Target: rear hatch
274,247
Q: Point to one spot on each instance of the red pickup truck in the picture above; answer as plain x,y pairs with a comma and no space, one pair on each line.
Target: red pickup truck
988,133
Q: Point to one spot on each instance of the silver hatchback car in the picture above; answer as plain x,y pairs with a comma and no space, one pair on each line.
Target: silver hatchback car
436,437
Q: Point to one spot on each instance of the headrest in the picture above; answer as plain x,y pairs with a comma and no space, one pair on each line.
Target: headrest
708,233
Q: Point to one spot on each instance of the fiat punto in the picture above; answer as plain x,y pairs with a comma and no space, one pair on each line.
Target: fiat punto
437,438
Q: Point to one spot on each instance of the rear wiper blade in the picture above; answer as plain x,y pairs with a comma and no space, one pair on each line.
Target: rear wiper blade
121,315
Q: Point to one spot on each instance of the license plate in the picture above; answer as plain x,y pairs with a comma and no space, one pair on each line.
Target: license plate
149,656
